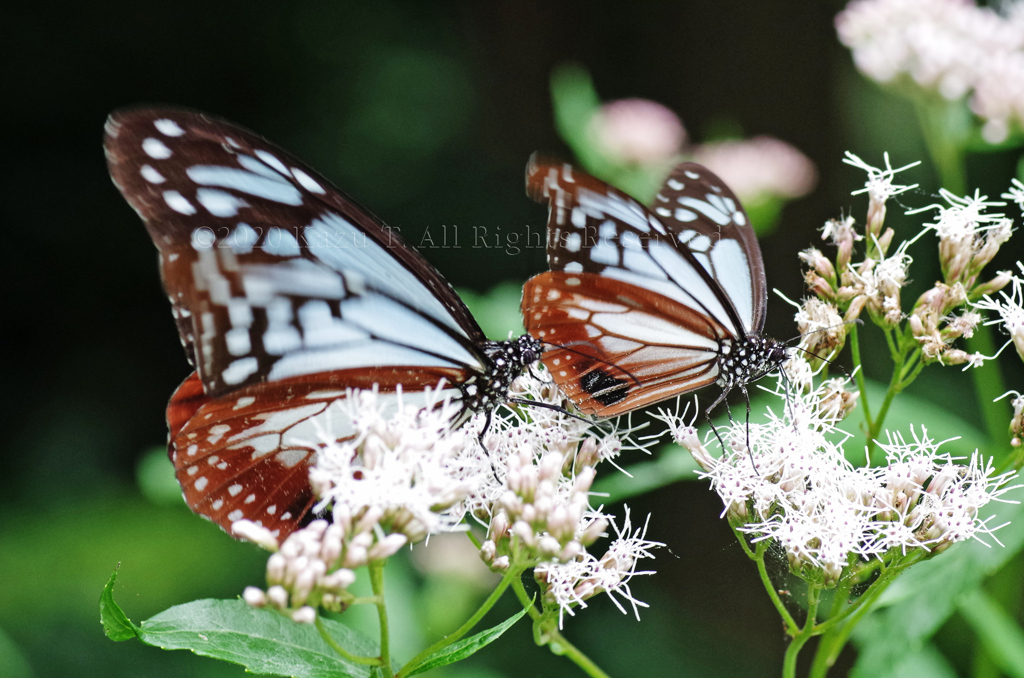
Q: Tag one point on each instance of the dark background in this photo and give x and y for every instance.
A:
(426, 113)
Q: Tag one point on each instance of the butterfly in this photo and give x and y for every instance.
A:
(647, 303)
(285, 293)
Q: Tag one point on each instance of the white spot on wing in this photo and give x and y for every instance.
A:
(155, 148)
(239, 370)
(273, 188)
(219, 203)
(150, 174)
(272, 160)
(307, 182)
(177, 202)
(281, 243)
(168, 127)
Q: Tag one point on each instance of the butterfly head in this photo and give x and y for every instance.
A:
(508, 359)
(749, 359)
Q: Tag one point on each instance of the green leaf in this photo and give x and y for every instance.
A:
(996, 630)
(262, 641)
(910, 663)
(460, 650)
(13, 663)
(116, 624)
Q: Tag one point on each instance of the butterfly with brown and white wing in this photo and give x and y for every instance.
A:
(285, 293)
(646, 303)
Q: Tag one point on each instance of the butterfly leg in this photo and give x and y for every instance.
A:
(483, 431)
(750, 452)
(707, 413)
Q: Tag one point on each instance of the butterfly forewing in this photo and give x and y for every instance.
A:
(704, 214)
(286, 293)
(270, 269)
(641, 303)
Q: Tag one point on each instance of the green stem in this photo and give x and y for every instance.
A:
(558, 643)
(837, 630)
(989, 385)
(355, 659)
(376, 569)
(859, 375)
(787, 618)
(506, 580)
(793, 651)
(890, 393)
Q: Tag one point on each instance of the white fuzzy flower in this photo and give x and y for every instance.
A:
(1016, 191)
(405, 465)
(1010, 308)
(801, 491)
(571, 583)
(880, 186)
(968, 236)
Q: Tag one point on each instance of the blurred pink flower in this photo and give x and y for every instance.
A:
(637, 131)
(759, 168)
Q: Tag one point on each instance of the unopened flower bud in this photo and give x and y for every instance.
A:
(278, 597)
(992, 286)
(254, 597)
(304, 615)
(387, 547)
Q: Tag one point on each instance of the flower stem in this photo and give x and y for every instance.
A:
(859, 375)
(758, 557)
(988, 383)
(376, 569)
(510, 574)
(942, 130)
(837, 630)
(355, 659)
(557, 643)
(805, 634)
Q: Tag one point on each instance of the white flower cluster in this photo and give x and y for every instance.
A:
(541, 514)
(404, 473)
(801, 492)
(968, 236)
(569, 584)
(951, 46)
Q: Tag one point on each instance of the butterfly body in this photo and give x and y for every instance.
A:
(646, 303)
(286, 293)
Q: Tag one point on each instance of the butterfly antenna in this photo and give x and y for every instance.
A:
(791, 342)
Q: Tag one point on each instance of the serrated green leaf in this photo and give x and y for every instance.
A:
(262, 641)
(116, 624)
(997, 631)
(460, 650)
